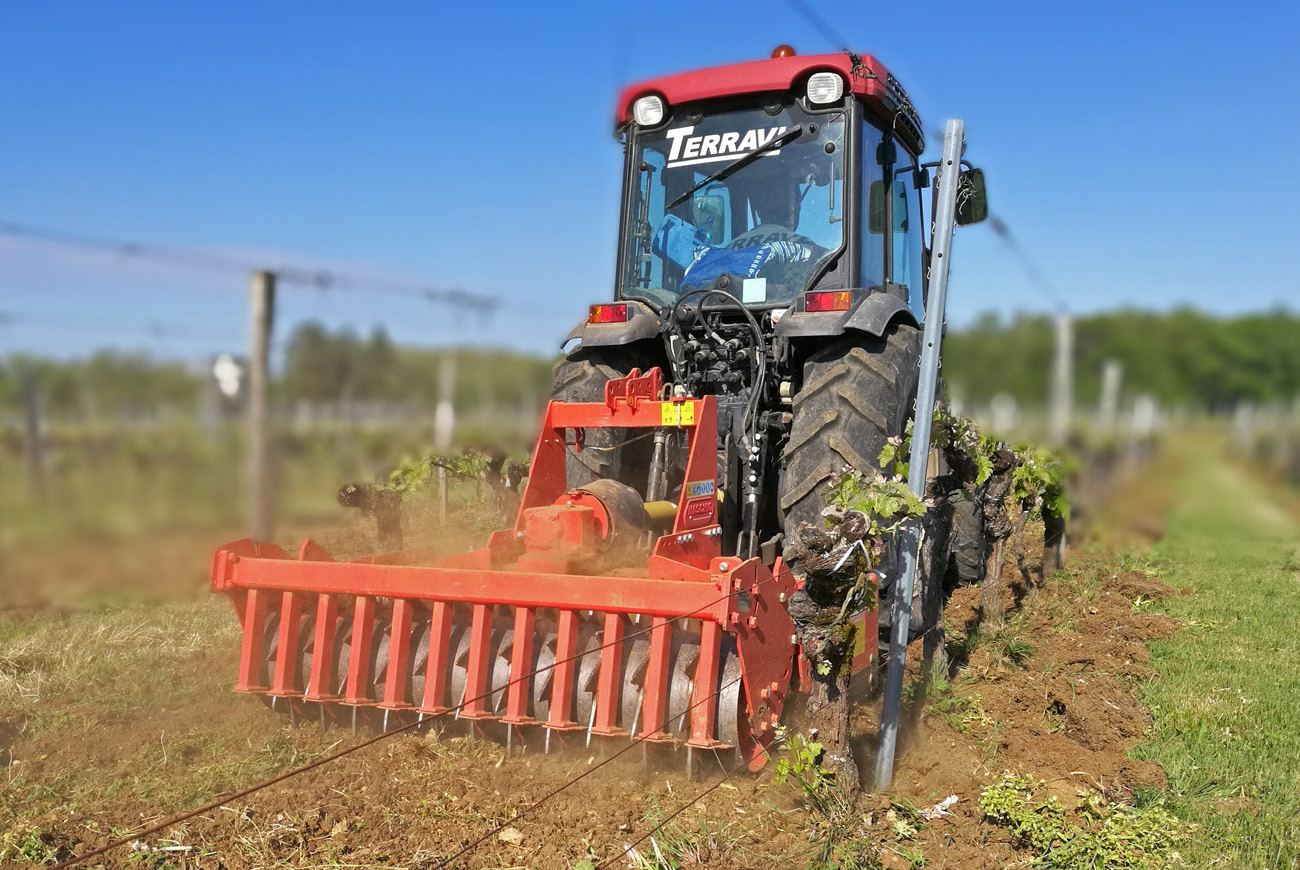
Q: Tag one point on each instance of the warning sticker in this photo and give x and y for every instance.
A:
(677, 414)
(701, 488)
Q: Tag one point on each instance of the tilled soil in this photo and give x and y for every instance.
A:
(1051, 696)
(1068, 704)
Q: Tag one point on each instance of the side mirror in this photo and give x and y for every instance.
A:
(972, 199)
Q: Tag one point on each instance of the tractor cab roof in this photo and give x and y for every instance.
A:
(866, 77)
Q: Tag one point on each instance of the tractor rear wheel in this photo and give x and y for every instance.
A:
(608, 453)
(857, 393)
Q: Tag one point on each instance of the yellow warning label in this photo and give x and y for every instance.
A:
(677, 414)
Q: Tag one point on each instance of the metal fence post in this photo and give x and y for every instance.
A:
(909, 537)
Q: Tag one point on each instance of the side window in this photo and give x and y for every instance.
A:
(907, 233)
(897, 203)
(822, 195)
(916, 232)
(649, 271)
(873, 243)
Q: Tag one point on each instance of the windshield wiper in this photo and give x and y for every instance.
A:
(732, 168)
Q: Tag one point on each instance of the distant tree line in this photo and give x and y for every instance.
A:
(324, 366)
(319, 366)
(107, 383)
(1183, 357)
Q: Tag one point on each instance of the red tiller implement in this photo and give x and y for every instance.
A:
(581, 618)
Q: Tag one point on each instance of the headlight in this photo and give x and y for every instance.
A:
(648, 111)
(825, 87)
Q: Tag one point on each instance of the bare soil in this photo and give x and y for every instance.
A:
(1060, 707)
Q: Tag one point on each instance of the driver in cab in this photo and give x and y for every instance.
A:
(774, 203)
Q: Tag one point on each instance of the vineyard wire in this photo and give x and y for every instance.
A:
(633, 743)
(320, 279)
(683, 808)
(385, 735)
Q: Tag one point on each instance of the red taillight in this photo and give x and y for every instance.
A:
(608, 314)
(834, 300)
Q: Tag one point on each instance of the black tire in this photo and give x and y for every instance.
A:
(857, 393)
(607, 453)
(969, 549)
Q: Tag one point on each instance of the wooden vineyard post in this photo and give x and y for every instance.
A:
(260, 483)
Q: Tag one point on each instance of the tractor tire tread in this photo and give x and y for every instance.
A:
(857, 393)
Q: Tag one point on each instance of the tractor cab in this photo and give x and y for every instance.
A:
(770, 177)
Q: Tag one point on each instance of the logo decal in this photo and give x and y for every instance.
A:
(688, 150)
(699, 509)
(700, 488)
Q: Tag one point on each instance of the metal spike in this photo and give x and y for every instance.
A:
(591, 723)
(546, 748)
(690, 762)
(690, 693)
(636, 717)
(386, 721)
(354, 719)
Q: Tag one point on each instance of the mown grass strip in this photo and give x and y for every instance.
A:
(1227, 700)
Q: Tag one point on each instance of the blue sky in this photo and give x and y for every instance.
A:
(1140, 153)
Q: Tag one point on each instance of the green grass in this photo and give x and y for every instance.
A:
(1228, 695)
(1097, 834)
(84, 654)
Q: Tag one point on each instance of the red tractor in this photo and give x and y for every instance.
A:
(763, 336)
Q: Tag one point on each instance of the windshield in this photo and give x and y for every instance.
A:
(770, 222)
